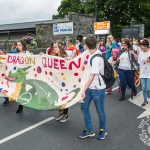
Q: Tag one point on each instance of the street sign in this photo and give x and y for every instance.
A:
(63, 28)
(102, 32)
(102, 25)
(141, 29)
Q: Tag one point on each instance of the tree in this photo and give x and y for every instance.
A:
(117, 12)
(68, 6)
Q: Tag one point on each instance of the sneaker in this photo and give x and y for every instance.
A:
(86, 134)
(119, 90)
(64, 118)
(109, 90)
(101, 135)
(128, 87)
(144, 104)
(6, 102)
(60, 115)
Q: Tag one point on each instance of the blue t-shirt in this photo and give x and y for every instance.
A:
(13, 51)
(108, 50)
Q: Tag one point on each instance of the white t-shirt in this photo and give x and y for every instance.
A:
(137, 48)
(144, 65)
(124, 61)
(96, 68)
(110, 60)
(27, 52)
(77, 45)
(70, 54)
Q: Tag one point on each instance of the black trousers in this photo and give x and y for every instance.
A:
(65, 111)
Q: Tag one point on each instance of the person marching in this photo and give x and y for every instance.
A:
(113, 60)
(22, 49)
(144, 62)
(71, 50)
(60, 52)
(94, 91)
(109, 46)
(14, 48)
(126, 74)
(50, 50)
(6, 101)
(102, 46)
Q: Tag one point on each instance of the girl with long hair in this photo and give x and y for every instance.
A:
(14, 48)
(22, 48)
(126, 70)
(60, 52)
(102, 47)
(109, 46)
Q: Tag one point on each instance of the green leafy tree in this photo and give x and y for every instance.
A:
(119, 13)
(68, 6)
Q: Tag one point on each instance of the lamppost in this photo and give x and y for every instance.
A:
(131, 60)
(8, 35)
(96, 10)
(132, 21)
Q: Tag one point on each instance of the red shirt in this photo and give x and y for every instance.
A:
(50, 50)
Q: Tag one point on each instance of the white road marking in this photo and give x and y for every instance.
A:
(138, 100)
(114, 89)
(25, 130)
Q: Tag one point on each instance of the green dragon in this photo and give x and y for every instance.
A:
(35, 93)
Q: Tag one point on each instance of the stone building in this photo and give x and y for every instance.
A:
(43, 30)
(82, 26)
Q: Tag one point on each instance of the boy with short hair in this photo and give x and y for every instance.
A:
(94, 90)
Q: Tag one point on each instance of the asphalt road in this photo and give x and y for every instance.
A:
(122, 128)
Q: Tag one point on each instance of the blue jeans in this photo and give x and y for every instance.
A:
(98, 96)
(145, 87)
(126, 79)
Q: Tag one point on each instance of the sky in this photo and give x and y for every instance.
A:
(17, 11)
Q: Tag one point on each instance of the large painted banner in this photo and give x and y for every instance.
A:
(43, 82)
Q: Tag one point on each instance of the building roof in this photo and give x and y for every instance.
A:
(28, 25)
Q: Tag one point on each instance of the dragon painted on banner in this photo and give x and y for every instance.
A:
(36, 88)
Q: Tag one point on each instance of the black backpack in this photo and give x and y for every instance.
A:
(108, 76)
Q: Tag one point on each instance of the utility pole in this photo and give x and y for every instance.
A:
(96, 13)
(132, 83)
(132, 31)
(8, 35)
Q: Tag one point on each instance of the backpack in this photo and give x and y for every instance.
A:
(108, 76)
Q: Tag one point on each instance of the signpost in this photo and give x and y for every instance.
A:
(63, 28)
(102, 27)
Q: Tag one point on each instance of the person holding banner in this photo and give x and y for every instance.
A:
(50, 50)
(22, 49)
(60, 52)
(94, 89)
(14, 48)
(6, 101)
